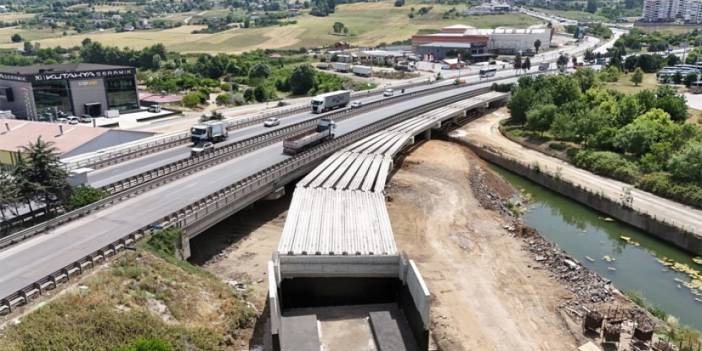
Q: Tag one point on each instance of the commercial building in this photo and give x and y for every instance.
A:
(41, 92)
(479, 43)
(69, 140)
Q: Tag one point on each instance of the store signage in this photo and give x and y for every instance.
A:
(84, 75)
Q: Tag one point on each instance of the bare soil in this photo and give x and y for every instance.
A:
(486, 295)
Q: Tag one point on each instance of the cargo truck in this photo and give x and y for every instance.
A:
(363, 71)
(329, 101)
(300, 142)
(342, 67)
(212, 131)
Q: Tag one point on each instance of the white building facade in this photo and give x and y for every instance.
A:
(689, 11)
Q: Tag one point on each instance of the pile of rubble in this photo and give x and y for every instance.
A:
(588, 286)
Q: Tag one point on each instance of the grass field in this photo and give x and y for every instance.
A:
(15, 16)
(27, 34)
(669, 29)
(369, 24)
(627, 87)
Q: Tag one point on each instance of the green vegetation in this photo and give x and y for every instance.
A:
(145, 300)
(672, 330)
(83, 196)
(643, 139)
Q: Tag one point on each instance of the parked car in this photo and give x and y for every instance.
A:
(388, 92)
(86, 119)
(355, 104)
(155, 108)
(62, 120)
(201, 148)
(271, 122)
(73, 120)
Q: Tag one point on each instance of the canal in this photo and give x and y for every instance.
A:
(630, 258)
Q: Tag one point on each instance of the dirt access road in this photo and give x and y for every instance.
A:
(485, 133)
(486, 296)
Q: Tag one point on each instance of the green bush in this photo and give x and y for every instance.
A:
(662, 184)
(191, 100)
(83, 196)
(608, 164)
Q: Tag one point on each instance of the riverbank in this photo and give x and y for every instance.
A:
(497, 285)
(666, 219)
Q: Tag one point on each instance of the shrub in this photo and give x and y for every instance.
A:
(83, 196)
(226, 87)
(225, 99)
(609, 164)
(662, 184)
(191, 100)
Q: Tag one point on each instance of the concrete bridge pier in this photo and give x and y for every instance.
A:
(276, 194)
(184, 245)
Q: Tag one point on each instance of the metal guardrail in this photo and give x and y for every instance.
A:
(150, 179)
(138, 149)
(219, 199)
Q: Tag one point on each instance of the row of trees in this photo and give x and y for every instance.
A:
(39, 179)
(641, 138)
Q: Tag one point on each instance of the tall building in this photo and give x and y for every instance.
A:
(692, 11)
(661, 10)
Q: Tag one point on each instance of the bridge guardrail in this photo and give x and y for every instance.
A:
(219, 198)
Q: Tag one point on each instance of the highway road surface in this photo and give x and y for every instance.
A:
(107, 175)
(24, 263)
(485, 131)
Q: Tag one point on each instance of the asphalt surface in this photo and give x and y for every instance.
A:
(24, 263)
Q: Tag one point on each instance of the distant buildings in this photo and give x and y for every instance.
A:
(689, 11)
(479, 43)
(487, 9)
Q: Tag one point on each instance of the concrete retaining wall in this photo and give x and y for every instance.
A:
(655, 227)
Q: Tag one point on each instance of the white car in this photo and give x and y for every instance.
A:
(388, 92)
(73, 120)
(355, 104)
(271, 122)
(200, 149)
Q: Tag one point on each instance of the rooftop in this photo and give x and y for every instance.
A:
(448, 45)
(63, 67)
(22, 132)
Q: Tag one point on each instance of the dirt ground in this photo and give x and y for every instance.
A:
(486, 296)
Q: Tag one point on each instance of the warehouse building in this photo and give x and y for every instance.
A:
(69, 140)
(41, 92)
(479, 43)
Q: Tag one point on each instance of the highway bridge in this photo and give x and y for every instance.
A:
(215, 187)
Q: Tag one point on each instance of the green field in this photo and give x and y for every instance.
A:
(669, 28)
(369, 24)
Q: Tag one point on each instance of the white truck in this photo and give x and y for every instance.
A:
(300, 142)
(329, 101)
(342, 66)
(364, 71)
(212, 131)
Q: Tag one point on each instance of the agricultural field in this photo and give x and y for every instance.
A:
(15, 16)
(107, 7)
(369, 24)
(31, 34)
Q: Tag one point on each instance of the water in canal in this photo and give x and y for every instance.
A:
(593, 239)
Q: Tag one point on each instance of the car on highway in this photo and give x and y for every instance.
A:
(388, 92)
(356, 104)
(271, 122)
(202, 148)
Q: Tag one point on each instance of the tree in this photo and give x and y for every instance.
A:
(260, 94)
(9, 195)
(540, 118)
(677, 77)
(637, 76)
(537, 45)
(686, 165)
(40, 175)
(520, 102)
(689, 79)
(248, 94)
(639, 136)
(259, 70)
(518, 62)
(338, 27)
(16, 38)
(302, 79)
(672, 60)
(591, 6)
(399, 3)
(191, 100)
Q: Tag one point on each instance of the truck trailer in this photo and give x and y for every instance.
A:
(329, 101)
(211, 131)
(364, 71)
(342, 67)
(300, 142)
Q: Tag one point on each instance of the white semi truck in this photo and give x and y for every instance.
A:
(364, 71)
(211, 131)
(300, 142)
(329, 101)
